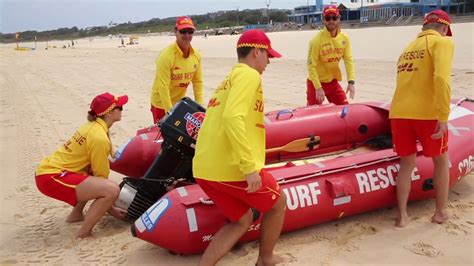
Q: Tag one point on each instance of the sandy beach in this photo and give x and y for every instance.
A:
(45, 96)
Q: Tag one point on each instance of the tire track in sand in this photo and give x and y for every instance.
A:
(42, 233)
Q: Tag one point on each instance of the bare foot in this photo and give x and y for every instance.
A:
(440, 217)
(75, 217)
(274, 260)
(402, 221)
(83, 235)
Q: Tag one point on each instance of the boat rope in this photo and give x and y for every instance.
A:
(206, 202)
(464, 100)
(353, 166)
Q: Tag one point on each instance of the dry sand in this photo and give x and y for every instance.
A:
(45, 96)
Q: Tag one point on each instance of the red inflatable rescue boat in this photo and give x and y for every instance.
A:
(185, 220)
(297, 133)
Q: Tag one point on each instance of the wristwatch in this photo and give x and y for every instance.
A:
(351, 82)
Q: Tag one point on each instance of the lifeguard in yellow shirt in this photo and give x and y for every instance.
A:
(325, 51)
(177, 65)
(230, 153)
(78, 170)
(420, 110)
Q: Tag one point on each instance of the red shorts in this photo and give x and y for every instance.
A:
(332, 90)
(157, 113)
(60, 186)
(233, 201)
(405, 133)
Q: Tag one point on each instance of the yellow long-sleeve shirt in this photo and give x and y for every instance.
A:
(231, 142)
(324, 54)
(173, 75)
(85, 152)
(424, 79)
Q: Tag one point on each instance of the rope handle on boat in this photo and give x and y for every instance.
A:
(169, 180)
(464, 100)
(206, 201)
(282, 112)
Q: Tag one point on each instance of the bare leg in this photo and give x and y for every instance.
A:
(76, 213)
(407, 165)
(104, 191)
(225, 239)
(270, 230)
(441, 184)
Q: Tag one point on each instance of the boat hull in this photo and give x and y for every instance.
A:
(337, 127)
(184, 220)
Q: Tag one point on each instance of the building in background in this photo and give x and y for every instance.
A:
(390, 11)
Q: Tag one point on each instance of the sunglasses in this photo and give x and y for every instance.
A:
(119, 108)
(329, 18)
(188, 31)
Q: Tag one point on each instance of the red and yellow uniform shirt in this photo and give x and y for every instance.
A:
(173, 75)
(85, 152)
(324, 54)
(231, 141)
(423, 79)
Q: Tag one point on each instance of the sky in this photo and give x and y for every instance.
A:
(40, 15)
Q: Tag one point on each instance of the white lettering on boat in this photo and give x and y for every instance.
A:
(466, 166)
(207, 238)
(302, 196)
(381, 178)
(254, 227)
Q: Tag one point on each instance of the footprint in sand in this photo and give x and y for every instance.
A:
(289, 258)
(423, 249)
(355, 232)
(456, 229)
(461, 206)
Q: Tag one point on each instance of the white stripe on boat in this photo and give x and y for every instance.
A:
(342, 200)
(192, 222)
(318, 164)
(182, 191)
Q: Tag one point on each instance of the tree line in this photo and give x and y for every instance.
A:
(207, 21)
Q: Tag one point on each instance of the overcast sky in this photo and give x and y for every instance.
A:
(22, 15)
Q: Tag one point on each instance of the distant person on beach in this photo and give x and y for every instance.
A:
(177, 65)
(230, 154)
(325, 51)
(78, 170)
(420, 110)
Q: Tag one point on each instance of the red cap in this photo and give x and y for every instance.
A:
(330, 9)
(184, 22)
(258, 39)
(439, 16)
(106, 102)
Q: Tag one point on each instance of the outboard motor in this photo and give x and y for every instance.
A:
(173, 165)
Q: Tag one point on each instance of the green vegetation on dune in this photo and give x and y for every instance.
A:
(207, 21)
